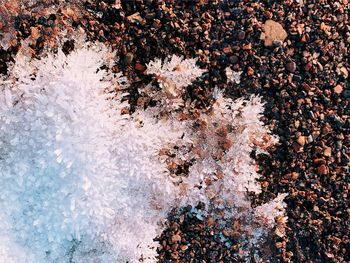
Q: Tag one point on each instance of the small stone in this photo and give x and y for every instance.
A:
(346, 94)
(227, 50)
(279, 244)
(42, 21)
(140, 67)
(297, 147)
(273, 32)
(301, 140)
(250, 71)
(310, 139)
(327, 151)
(184, 247)
(292, 176)
(338, 89)
(247, 47)
(323, 169)
(176, 238)
(135, 18)
(34, 33)
(129, 58)
(233, 59)
(291, 67)
(241, 35)
(344, 72)
(264, 184)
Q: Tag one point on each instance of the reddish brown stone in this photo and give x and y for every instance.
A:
(323, 169)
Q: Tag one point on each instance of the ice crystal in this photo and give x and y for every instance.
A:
(72, 169)
(233, 76)
(272, 210)
(175, 73)
(83, 183)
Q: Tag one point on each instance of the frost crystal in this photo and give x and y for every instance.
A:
(80, 182)
(272, 210)
(174, 73)
(233, 76)
(72, 169)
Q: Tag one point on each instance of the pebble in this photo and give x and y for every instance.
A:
(323, 169)
(327, 151)
(291, 67)
(176, 238)
(338, 89)
(273, 32)
(129, 57)
(140, 67)
(301, 140)
(241, 35)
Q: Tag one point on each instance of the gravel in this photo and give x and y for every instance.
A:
(302, 73)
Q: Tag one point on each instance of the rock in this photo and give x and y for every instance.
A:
(301, 140)
(247, 46)
(310, 139)
(344, 72)
(292, 176)
(184, 247)
(241, 35)
(176, 238)
(346, 94)
(140, 67)
(323, 169)
(273, 32)
(250, 71)
(227, 50)
(291, 67)
(338, 89)
(233, 59)
(135, 18)
(129, 58)
(327, 151)
(279, 244)
(117, 4)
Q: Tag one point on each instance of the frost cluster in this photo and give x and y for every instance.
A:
(72, 168)
(175, 73)
(233, 76)
(81, 182)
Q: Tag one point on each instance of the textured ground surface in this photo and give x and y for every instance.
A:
(303, 78)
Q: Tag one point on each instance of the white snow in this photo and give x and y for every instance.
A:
(233, 76)
(175, 73)
(82, 183)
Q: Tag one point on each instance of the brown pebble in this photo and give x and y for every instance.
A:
(129, 58)
(292, 176)
(327, 152)
(323, 169)
(301, 140)
(265, 184)
(184, 247)
(140, 67)
(291, 67)
(241, 35)
(338, 89)
(273, 32)
(247, 46)
(176, 238)
(227, 50)
(250, 71)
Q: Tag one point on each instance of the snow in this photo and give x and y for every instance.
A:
(83, 183)
(175, 73)
(233, 76)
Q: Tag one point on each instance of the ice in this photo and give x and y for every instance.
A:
(82, 182)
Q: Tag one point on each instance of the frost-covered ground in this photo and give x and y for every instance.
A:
(83, 182)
